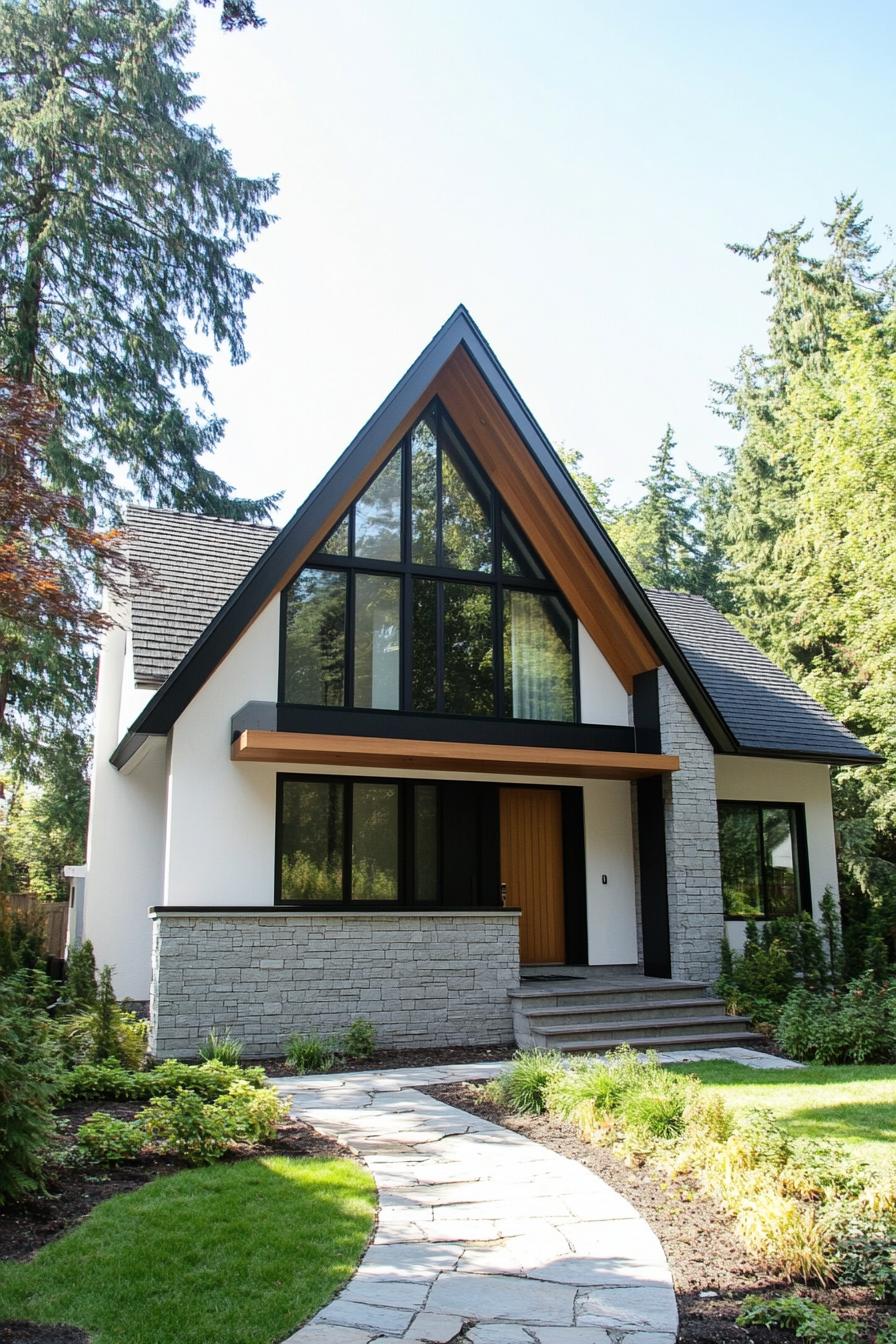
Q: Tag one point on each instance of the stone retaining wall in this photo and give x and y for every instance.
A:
(423, 979)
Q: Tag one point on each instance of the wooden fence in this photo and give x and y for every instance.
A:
(55, 916)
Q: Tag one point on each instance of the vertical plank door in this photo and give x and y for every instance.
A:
(532, 870)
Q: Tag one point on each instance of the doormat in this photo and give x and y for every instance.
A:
(530, 979)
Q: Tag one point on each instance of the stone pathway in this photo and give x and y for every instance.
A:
(480, 1231)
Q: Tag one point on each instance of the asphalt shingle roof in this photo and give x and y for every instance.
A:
(189, 565)
(764, 709)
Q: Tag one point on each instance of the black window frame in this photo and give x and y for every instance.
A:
(406, 846)
(407, 571)
(804, 893)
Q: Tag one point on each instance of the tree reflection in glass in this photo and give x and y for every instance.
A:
(374, 842)
(538, 665)
(311, 840)
(378, 515)
(315, 638)
(469, 654)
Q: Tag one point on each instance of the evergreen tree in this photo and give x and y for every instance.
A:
(660, 535)
(597, 493)
(120, 223)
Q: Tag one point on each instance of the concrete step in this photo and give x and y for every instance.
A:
(718, 1025)
(592, 993)
(688, 1041)
(602, 1014)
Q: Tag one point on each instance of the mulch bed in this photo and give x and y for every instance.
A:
(399, 1059)
(703, 1251)
(74, 1191)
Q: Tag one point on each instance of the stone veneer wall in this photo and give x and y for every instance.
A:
(696, 919)
(434, 978)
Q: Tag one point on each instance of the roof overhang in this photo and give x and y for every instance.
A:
(396, 753)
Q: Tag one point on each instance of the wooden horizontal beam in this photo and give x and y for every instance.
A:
(255, 744)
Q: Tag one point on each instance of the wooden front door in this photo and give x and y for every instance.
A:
(532, 870)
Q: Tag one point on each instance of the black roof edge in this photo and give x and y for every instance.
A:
(127, 748)
(845, 758)
(224, 629)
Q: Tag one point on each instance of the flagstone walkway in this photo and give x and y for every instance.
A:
(481, 1231)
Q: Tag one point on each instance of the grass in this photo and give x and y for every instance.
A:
(238, 1253)
(853, 1104)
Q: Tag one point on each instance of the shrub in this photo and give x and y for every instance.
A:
(785, 1231)
(655, 1111)
(758, 1142)
(80, 976)
(187, 1127)
(359, 1040)
(105, 1140)
(524, 1083)
(855, 1026)
(90, 1082)
(106, 1031)
(586, 1080)
(28, 1073)
(808, 1320)
(307, 1052)
(864, 1249)
(209, 1080)
(221, 1046)
(251, 1114)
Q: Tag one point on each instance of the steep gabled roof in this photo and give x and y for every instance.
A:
(460, 356)
(188, 567)
(768, 713)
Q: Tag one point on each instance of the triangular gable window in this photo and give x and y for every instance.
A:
(446, 607)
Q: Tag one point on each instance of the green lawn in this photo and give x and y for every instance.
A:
(853, 1104)
(238, 1253)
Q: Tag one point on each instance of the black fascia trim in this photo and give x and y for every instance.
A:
(128, 747)
(809, 757)
(266, 575)
(430, 727)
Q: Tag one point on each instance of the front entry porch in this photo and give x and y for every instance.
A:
(592, 1009)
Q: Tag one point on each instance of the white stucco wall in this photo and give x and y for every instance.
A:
(762, 779)
(220, 833)
(612, 918)
(125, 839)
(604, 699)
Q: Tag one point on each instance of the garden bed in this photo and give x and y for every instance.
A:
(74, 1190)
(418, 1058)
(703, 1251)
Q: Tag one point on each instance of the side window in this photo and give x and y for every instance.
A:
(761, 847)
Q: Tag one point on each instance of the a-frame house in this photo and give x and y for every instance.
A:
(430, 755)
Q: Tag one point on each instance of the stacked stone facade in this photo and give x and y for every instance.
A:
(428, 979)
(696, 918)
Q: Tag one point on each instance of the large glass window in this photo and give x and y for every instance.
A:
(311, 840)
(374, 842)
(377, 644)
(378, 515)
(760, 846)
(538, 662)
(448, 608)
(468, 677)
(345, 841)
(314, 656)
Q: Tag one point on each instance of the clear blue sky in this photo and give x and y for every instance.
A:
(570, 171)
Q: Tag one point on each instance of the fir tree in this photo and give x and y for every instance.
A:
(120, 223)
(660, 535)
